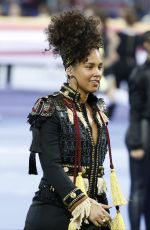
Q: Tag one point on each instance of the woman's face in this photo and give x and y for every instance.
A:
(88, 73)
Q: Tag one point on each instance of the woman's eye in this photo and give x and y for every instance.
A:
(88, 67)
(100, 67)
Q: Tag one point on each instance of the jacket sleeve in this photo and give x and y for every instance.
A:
(45, 121)
(136, 98)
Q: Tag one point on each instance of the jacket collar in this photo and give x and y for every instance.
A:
(73, 95)
(70, 93)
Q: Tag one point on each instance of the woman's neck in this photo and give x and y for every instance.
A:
(83, 95)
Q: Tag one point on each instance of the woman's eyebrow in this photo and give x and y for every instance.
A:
(92, 63)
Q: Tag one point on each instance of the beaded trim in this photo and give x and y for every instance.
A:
(85, 170)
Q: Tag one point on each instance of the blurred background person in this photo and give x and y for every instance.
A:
(138, 140)
(122, 54)
(111, 42)
(31, 7)
(10, 8)
(142, 7)
(126, 50)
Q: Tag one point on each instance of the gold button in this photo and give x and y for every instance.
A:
(66, 93)
(66, 169)
(73, 195)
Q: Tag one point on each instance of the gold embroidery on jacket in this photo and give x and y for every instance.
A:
(80, 116)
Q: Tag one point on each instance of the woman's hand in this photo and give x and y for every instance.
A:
(137, 154)
(98, 215)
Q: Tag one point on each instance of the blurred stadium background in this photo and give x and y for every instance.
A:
(27, 72)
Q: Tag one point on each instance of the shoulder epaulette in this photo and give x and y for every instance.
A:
(44, 106)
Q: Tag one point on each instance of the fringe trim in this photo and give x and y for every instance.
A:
(80, 213)
(101, 184)
(80, 116)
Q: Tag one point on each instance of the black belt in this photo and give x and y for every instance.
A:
(47, 194)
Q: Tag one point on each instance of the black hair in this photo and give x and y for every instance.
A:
(73, 35)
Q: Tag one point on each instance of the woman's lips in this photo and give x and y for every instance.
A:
(95, 82)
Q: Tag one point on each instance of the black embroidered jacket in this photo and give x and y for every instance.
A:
(52, 124)
(138, 135)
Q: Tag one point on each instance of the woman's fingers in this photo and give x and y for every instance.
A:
(100, 222)
(105, 206)
(96, 223)
(106, 216)
(106, 219)
(98, 215)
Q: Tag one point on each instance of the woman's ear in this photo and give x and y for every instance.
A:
(69, 70)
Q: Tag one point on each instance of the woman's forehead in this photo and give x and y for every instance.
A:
(94, 57)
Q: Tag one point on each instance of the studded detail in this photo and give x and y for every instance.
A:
(73, 195)
(66, 169)
(43, 107)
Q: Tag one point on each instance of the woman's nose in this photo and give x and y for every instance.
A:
(98, 72)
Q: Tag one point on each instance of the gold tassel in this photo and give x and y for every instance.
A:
(117, 196)
(80, 182)
(101, 185)
(118, 223)
(72, 226)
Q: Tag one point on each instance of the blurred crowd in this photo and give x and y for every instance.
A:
(121, 45)
(40, 7)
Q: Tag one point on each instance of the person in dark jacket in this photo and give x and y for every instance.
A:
(69, 133)
(126, 50)
(138, 140)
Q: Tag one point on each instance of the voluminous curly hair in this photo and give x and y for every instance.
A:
(72, 35)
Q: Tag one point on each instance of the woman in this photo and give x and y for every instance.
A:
(69, 135)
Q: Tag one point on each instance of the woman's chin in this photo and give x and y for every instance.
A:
(93, 89)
